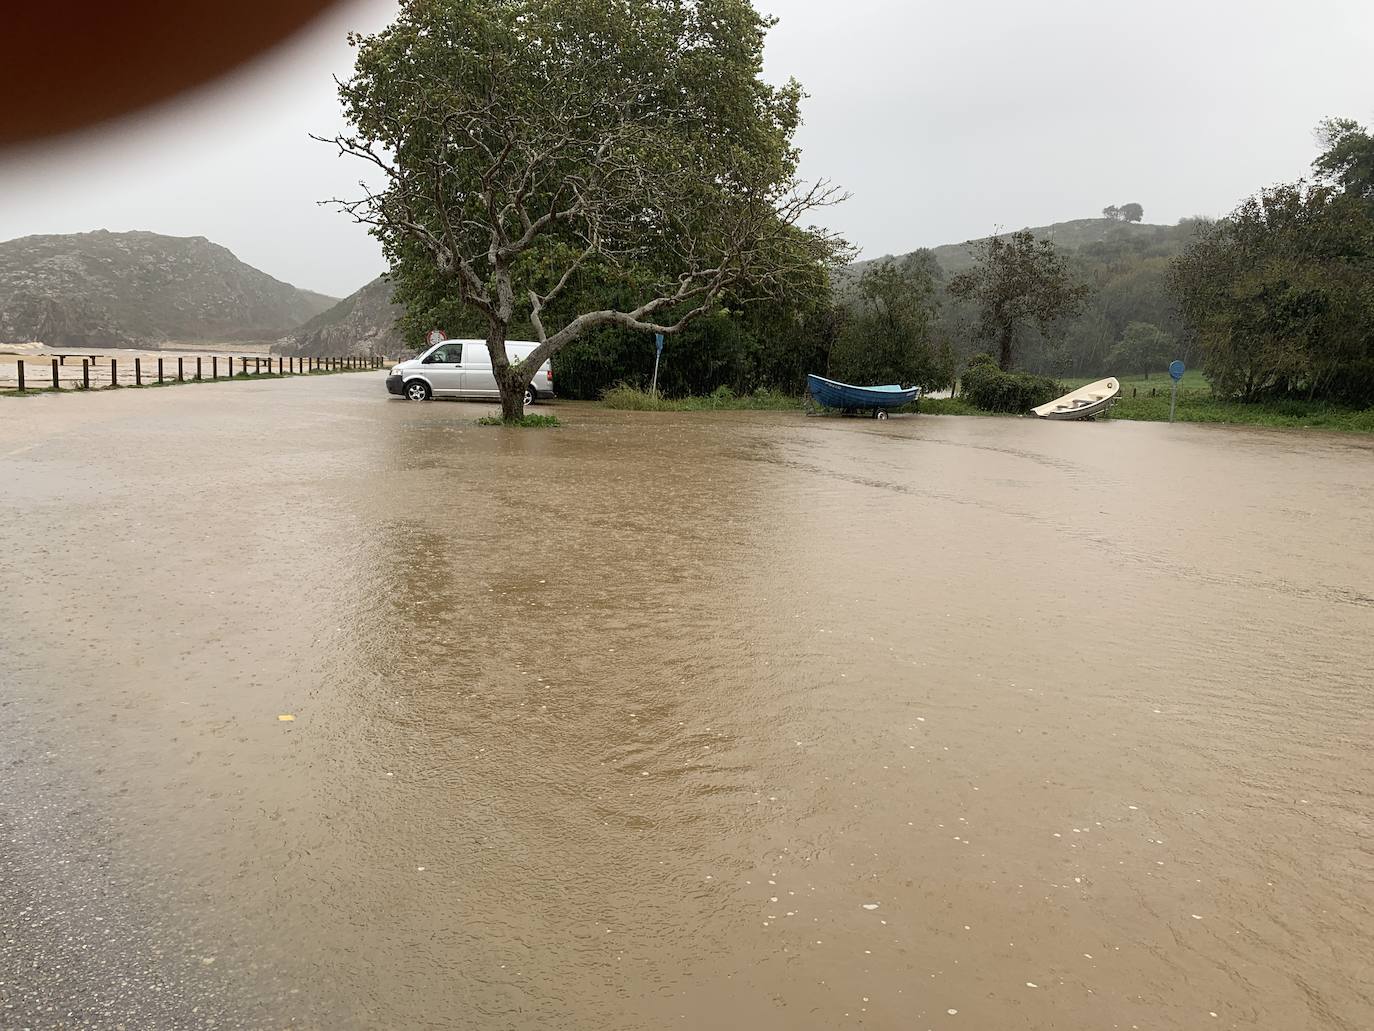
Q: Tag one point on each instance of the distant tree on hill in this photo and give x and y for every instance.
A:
(1132, 212)
(1348, 160)
(1017, 282)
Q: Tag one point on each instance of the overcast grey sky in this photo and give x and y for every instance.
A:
(945, 121)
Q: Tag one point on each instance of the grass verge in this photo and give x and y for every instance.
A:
(1205, 408)
(723, 399)
(948, 406)
(527, 421)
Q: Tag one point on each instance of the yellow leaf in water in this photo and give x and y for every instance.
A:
(286, 717)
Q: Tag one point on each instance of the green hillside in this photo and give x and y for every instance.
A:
(1095, 239)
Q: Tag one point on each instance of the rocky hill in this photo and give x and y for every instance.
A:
(140, 289)
(362, 323)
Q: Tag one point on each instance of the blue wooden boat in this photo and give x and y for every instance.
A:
(849, 398)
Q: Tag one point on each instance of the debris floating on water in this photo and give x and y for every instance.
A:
(286, 717)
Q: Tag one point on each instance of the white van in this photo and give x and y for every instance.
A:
(462, 368)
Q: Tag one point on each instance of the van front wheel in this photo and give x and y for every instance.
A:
(417, 390)
(530, 396)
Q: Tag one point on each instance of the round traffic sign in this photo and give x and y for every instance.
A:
(1176, 369)
(434, 337)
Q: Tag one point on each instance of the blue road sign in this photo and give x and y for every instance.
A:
(658, 343)
(1176, 369)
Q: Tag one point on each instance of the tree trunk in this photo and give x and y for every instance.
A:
(1004, 355)
(508, 383)
(512, 387)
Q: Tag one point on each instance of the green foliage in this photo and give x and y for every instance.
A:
(526, 421)
(761, 345)
(1278, 296)
(1348, 160)
(723, 398)
(1016, 283)
(987, 387)
(1143, 347)
(885, 333)
(579, 164)
(1125, 213)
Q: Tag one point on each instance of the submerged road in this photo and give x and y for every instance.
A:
(690, 720)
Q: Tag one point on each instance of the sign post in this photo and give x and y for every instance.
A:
(1176, 374)
(658, 353)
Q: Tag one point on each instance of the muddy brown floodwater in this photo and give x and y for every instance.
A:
(739, 720)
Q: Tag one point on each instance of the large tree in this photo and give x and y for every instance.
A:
(520, 149)
(1278, 296)
(885, 335)
(1348, 160)
(1017, 282)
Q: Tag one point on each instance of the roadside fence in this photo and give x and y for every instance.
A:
(100, 372)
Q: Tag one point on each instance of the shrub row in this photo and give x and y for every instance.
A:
(986, 386)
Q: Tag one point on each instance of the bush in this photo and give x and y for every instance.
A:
(987, 387)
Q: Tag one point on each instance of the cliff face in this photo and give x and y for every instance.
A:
(105, 289)
(362, 323)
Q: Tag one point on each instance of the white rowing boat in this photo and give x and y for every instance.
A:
(1083, 403)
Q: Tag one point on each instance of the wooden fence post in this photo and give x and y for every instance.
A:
(114, 373)
(231, 366)
(181, 370)
(21, 374)
(56, 383)
(197, 367)
(138, 372)
(85, 374)
(159, 370)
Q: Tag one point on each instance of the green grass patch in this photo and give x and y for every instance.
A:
(29, 391)
(1196, 403)
(948, 406)
(527, 421)
(1193, 379)
(1196, 406)
(722, 399)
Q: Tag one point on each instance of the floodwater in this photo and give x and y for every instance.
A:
(739, 720)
